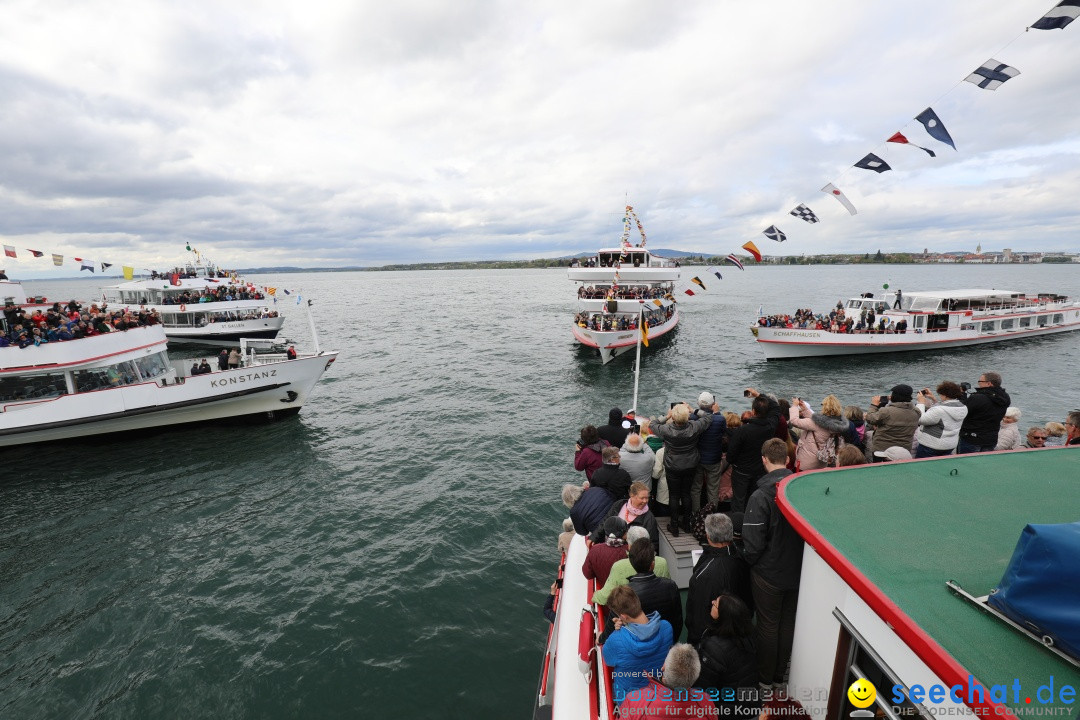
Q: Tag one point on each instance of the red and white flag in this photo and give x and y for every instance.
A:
(899, 138)
(836, 193)
(9, 250)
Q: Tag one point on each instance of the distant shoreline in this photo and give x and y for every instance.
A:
(684, 258)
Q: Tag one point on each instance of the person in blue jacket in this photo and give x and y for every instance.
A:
(637, 648)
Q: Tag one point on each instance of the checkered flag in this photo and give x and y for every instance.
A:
(804, 213)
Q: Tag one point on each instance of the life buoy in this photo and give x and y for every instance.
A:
(586, 643)
(183, 308)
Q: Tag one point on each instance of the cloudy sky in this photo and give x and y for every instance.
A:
(362, 133)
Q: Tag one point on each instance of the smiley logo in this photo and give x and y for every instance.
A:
(862, 693)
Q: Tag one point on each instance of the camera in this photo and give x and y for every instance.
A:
(965, 386)
(746, 393)
(882, 400)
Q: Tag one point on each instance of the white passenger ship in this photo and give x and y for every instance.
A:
(930, 320)
(615, 287)
(124, 381)
(189, 315)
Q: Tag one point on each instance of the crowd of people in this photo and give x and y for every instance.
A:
(608, 322)
(220, 293)
(623, 292)
(715, 473)
(71, 322)
(837, 320)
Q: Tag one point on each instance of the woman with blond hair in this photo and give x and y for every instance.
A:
(819, 443)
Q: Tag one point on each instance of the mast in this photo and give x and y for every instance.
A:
(637, 357)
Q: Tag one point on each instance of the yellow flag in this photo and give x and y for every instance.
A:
(271, 291)
(645, 332)
(129, 273)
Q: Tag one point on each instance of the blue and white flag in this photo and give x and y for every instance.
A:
(1059, 16)
(873, 162)
(991, 74)
(87, 265)
(299, 299)
(934, 127)
(773, 233)
(804, 213)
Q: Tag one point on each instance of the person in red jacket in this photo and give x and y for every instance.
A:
(587, 451)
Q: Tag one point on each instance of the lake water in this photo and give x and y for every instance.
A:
(388, 551)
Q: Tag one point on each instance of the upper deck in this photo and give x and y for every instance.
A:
(634, 264)
(897, 532)
(965, 301)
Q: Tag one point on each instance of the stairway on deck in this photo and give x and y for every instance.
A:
(680, 552)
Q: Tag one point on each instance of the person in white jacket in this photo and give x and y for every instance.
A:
(1009, 434)
(939, 422)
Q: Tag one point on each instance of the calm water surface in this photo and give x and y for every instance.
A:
(389, 550)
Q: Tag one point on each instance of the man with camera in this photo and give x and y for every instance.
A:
(894, 419)
(986, 406)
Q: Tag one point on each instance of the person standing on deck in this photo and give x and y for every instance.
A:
(744, 448)
(986, 407)
(774, 551)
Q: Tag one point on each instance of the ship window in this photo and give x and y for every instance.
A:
(987, 326)
(106, 377)
(32, 387)
(1058, 318)
(857, 659)
(1042, 320)
(1025, 322)
(152, 365)
(1008, 324)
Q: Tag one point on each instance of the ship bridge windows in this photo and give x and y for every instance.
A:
(32, 387)
(152, 366)
(103, 378)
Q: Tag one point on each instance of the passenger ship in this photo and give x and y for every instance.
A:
(188, 321)
(123, 381)
(934, 320)
(619, 286)
(896, 587)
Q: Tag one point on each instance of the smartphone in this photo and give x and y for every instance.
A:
(746, 393)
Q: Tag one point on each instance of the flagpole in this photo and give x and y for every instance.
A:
(637, 358)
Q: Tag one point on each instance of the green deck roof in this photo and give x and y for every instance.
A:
(910, 527)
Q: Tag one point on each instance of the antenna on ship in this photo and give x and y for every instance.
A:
(637, 357)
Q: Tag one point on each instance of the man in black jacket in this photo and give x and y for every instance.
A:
(721, 569)
(986, 406)
(774, 551)
(744, 449)
(655, 593)
(610, 475)
(616, 430)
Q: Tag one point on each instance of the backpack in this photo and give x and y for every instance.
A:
(829, 453)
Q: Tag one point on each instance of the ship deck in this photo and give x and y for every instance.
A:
(897, 532)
